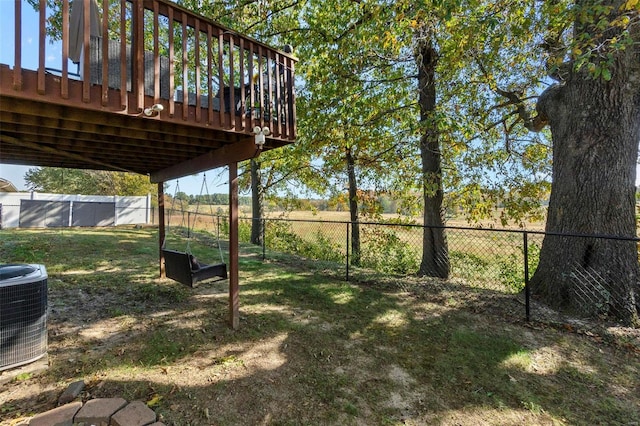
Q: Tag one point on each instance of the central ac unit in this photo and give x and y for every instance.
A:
(23, 314)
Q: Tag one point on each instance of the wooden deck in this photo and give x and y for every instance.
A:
(214, 85)
(159, 90)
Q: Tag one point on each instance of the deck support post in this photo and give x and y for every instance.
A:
(161, 230)
(234, 296)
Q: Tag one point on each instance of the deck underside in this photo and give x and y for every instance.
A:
(36, 131)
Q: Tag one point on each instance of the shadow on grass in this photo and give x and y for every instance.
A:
(312, 350)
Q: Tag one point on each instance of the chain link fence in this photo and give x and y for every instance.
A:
(495, 262)
(592, 277)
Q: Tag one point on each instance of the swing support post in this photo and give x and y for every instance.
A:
(161, 230)
(234, 296)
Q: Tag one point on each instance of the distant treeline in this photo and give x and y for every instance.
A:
(370, 204)
(211, 199)
(336, 203)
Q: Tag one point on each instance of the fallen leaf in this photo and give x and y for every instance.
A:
(154, 401)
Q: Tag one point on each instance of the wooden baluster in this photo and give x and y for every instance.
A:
(197, 58)
(292, 101)
(277, 104)
(185, 69)
(64, 81)
(261, 98)
(156, 55)
(138, 54)
(124, 70)
(86, 52)
(105, 53)
(41, 46)
(221, 75)
(17, 53)
(287, 93)
(210, 72)
(243, 106)
(252, 86)
(172, 72)
(232, 86)
(270, 100)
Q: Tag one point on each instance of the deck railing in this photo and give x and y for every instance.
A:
(144, 52)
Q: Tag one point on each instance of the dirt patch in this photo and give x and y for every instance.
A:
(293, 363)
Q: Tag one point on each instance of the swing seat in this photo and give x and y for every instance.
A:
(185, 269)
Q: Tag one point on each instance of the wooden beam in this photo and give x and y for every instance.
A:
(115, 125)
(227, 154)
(97, 141)
(43, 148)
(161, 230)
(234, 288)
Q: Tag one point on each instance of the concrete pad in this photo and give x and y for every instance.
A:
(60, 416)
(98, 412)
(33, 368)
(135, 414)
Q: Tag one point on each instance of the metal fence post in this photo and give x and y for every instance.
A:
(527, 291)
(348, 251)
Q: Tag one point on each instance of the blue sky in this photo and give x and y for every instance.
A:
(216, 179)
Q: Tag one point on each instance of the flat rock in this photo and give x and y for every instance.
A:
(98, 412)
(71, 392)
(60, 416)
(135, 414)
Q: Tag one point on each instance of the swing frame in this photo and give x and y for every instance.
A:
(182, 266)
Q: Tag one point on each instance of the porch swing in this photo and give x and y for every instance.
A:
(182, 266)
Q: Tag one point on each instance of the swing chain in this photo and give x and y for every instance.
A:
(173, 206)
(204, 188)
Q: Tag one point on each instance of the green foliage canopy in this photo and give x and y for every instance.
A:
(89, 182)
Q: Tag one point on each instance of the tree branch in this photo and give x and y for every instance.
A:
(534, 124)
(384, 113)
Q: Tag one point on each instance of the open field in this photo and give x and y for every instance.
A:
(312, 348)
(451, 221)
(344, 216)
(385, 247)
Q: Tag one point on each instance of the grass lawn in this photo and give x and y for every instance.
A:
(312, 348)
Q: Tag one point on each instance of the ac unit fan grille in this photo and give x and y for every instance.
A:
(23, 323)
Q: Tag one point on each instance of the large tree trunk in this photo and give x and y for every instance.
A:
(257, 203)
(353, 208)
(435, 253)
(595, 127)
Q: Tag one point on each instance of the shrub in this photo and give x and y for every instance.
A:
(512, 268)
(244, 231)
(468, 265)
(280, 237)
(384, 251)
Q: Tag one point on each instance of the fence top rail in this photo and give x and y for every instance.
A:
(465, 228)
(457, 228)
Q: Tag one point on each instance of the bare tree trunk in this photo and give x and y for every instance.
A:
(353, 208)
(257, 203)
(595, 125)
(435, 253)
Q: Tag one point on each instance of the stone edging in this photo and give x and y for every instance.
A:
(97, 412)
